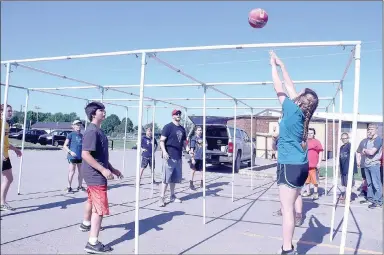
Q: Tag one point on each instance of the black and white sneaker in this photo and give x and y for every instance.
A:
(98, 248)
(290, 252)
(6, 207)
(85, 228)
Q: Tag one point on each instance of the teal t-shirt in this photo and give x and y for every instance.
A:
(289, 147)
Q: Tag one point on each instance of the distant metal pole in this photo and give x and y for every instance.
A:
(138, 153)
(252, 156)
(86, 117)
(234, 154)
(204, 153)
(153, 146)
(125, 137)
(23, 142)
(326, 152)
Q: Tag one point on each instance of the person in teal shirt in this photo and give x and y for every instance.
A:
(292, 163)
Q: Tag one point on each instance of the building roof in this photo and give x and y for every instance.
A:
(53, 125)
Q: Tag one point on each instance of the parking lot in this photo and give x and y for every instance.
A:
(47, 219)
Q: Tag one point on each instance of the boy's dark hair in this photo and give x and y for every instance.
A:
(314, 131)
(91, 108)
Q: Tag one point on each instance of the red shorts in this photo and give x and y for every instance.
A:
(97, 196)
(312, 176)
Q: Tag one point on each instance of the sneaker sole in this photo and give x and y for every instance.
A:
(96, 252)
(86, 230)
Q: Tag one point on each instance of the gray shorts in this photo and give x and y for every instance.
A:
(172, 171)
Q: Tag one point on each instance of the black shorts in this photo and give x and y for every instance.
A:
(147, 162)
(7, 164)
(75, 161)
(198, 166)
(294, 176)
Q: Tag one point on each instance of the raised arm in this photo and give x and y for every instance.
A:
(289, 86)
(277, 84)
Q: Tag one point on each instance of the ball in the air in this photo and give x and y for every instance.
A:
(258, 18)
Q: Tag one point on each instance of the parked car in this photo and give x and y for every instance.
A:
(15, 130)
(220, 142)
(55, 138)
(17, 135)
(33, 135)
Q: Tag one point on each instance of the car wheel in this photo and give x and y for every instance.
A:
(56, 143)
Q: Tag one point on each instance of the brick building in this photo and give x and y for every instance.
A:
(264, 122)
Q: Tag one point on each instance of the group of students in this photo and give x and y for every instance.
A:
(293, 166)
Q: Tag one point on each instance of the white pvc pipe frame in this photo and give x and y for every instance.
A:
(356, 44)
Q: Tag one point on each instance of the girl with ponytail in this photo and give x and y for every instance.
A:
(292, 167)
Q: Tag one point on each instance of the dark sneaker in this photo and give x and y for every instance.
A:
(373, 206)
(98, 248)
(161, 202)
(291, 252)
(191, 186)
(174, 199)
(81, 188)
(298, 220)
(85, 228)
(363, 201)
(6, 207)
(69, 190)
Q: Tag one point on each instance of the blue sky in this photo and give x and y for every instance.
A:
(41, 29)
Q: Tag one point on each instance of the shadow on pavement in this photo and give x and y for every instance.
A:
(146, 225)
(315, 233)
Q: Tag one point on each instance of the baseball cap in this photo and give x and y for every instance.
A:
(174, 112)
(76, 122)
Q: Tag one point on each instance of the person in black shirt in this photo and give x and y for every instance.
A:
(172, 141)
(345, 152)
(146, 156)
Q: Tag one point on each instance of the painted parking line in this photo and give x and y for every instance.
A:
(332, 246)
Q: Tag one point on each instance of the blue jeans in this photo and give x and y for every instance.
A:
(375, 189)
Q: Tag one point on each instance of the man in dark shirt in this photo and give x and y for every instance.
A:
(172, 141)
(360, 157)
(146, 156)
(345, 152)
(96, 171)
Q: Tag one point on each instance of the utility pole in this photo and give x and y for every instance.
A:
(37, 113)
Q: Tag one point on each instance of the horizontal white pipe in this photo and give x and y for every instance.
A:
(222, 84)
(191, 84)
(63, 88)
(198, 99)
(213, 47)
(13, 86)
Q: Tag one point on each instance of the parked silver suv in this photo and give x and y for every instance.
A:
(221, 143)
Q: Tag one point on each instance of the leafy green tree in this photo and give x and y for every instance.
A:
(110, 123)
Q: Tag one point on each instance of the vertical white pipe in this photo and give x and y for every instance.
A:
(138, 156)
(334, 174)
(125, 137)
(185, 118)
(326, 152)
(252, 159)
(204, 151)
(86, 117)
(234, 154)
(4, 120)
(339, 128)
(353, 149)
(153, 146)
(23, 142)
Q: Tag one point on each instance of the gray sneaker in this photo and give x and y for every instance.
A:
(174, 199)
(6, 207)
(161, 202)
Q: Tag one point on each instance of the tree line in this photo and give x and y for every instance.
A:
(112, 124)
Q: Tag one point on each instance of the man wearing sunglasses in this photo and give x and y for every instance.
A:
(172, 141)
